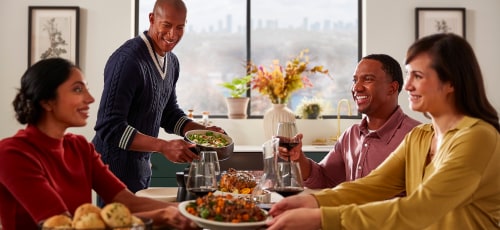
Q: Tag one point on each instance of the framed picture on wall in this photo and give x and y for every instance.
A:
(439, 20)
(53, 31)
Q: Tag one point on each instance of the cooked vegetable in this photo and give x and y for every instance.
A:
(208, 139)
(226, 208)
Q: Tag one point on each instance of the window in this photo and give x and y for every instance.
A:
(217, 44)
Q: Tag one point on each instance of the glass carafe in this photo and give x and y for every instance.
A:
(269, 180)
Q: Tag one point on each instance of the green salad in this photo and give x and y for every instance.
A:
(209, 139)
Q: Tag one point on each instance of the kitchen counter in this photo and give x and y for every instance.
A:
(305, 148)
(245, 157)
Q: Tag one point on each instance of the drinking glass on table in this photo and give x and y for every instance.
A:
(201, 178)
(211, 156)
(289, 178)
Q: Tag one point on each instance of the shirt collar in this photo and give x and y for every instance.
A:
(466, 122)
(41, 139)
(387, 131)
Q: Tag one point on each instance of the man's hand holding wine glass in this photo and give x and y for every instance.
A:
(294, 153)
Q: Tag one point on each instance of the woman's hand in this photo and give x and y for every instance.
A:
(292, 211)
(293, 202)
(162, 213)
(301, 218)
(169, 216)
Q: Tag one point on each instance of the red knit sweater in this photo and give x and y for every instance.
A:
(41, 176)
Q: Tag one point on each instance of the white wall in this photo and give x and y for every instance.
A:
(388, 28)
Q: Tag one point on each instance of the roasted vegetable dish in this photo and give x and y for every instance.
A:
(226, 208)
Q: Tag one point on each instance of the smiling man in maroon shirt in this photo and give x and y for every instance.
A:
(377, 82)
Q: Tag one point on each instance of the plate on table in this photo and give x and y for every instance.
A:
(165, 194)
(273, 197)
(218, 192)
(211, 224)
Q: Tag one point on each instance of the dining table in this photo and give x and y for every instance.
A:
(169, 194)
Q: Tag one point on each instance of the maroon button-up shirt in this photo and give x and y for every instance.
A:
(358, 151)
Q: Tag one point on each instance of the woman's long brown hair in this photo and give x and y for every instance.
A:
(454, 60)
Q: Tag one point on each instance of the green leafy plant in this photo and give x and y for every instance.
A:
(238, 86)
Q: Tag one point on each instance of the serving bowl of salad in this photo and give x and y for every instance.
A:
(207, 140)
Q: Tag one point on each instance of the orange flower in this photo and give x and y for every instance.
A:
(279, 85)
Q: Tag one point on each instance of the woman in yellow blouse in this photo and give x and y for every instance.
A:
(449, 168)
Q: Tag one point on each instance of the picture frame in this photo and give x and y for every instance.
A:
(439, 20)
(53, 31)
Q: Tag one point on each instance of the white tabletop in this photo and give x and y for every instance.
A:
(166, 194)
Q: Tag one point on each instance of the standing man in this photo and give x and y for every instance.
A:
(377, 82)
(139, 97)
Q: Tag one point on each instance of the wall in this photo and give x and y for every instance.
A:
(107, 24)
(390, 28)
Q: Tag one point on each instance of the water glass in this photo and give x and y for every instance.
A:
(211, 157)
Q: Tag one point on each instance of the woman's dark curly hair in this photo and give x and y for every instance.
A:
(39, 83)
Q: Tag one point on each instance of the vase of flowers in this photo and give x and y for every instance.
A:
(278, 83)
(274, 115)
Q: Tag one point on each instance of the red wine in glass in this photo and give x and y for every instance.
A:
(201, 192)
(286, 133)
(288, 191)
(288, 144)
(201, 178)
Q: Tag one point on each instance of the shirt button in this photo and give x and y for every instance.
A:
(359, 167)
(366, 145)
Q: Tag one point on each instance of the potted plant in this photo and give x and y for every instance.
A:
(237, 102)
(310, 108)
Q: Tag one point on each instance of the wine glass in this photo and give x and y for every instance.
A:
(286, 133)
(201, 178)
(289, 178)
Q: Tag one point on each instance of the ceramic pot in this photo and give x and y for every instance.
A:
(237, 107)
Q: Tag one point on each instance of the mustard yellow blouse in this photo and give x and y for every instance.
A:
(458, 189)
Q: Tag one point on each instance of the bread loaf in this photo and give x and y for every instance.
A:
(57, 222)
(116, 215)
(85, 209)
(90, 220)
(88, 216)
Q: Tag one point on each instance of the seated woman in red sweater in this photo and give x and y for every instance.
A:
(45, 171)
